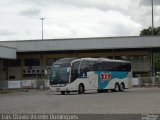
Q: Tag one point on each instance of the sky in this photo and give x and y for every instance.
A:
(20, 19)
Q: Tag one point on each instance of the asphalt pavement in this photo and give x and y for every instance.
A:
(131, 101)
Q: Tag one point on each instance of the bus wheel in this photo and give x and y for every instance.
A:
(68, 92)
(81, 89)
(122, 87)
(63, 92)
(116, 87)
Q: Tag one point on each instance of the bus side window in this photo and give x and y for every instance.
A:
(87, 66)
(74, 70)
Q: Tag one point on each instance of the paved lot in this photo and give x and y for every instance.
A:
(135, 100)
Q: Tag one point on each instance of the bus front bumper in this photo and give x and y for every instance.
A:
(59, 88)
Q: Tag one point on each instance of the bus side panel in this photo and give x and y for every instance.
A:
(111, 84)
(107, 79)
(90, 82)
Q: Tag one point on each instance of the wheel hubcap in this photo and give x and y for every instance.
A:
(116, 87)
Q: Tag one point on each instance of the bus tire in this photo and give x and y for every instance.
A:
(81, 89)
(68, 92)
(122, 87)
(116, 87)
(63, 92)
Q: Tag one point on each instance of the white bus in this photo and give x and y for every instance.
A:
(81, 74)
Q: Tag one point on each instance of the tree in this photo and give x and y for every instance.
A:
(148, 31)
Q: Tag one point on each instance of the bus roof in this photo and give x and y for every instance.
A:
(70, 60)
(65, 60)
(105, 59)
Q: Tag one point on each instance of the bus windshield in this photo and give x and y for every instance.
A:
(60, 72)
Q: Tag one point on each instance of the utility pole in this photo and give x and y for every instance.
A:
(152, 19)
(41, 55)
(42, 26)
(152, 56)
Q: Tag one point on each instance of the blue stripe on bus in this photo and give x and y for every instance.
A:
(105, 76)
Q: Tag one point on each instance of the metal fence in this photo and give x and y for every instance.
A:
(20, 84)
(148, 81)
